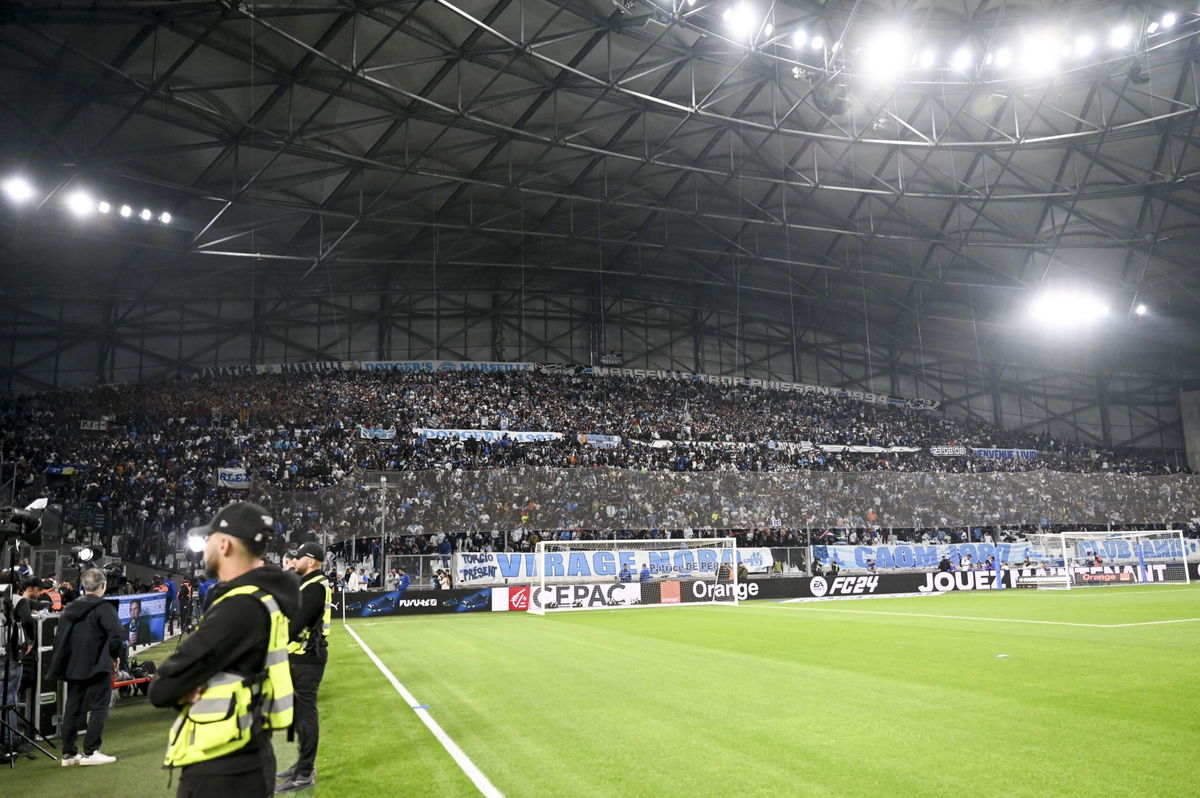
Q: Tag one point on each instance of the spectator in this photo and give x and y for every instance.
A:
(86, 649)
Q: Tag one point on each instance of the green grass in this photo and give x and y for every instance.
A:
(834, 698)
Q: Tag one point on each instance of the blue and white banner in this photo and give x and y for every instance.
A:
(599, 441)
(498, 568)
(514, 436)
(236, 478)
(1122, 550)
(1006, 454)
(928, 556)
(377, 433)
(442, 365)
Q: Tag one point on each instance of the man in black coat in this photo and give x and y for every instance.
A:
(86, 648)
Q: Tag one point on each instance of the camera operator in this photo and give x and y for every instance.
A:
(230, 679)
(86, 647)
(17, 647)
(307, 653)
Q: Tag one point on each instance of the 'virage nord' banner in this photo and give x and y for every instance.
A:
(486, 568)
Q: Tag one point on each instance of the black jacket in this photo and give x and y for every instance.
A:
(232, 636)
(88, 639)
(311, 616)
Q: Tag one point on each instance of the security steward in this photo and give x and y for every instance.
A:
(307, 654)
(230, 680)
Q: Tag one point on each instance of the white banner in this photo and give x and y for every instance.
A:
(236, 478)
(618, 594)
(498, 568)
(515, 436)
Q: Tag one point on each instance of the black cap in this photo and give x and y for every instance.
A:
(311, 549)
(245, 520)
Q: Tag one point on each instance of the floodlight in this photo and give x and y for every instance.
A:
(817, 43)
(886, 55)
(1120, 36)
(146, 215)
(1169, 19)
(1152, 28)
(1039, 55)
(1140, 310)
(927, 58)
(961, 60)
(195, 544)
(103, 206)
(799, 38)
(18, 189)
(87, 553)
(1003, 57)
(165, 218)
(126, 211)
(1067, 308)
(1084, 45)
(769, 29)
(80, 203)
(740, 19)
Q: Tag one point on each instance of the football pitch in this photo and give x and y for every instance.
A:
(1013, 693)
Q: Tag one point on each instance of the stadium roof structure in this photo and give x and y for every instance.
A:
(904, 188)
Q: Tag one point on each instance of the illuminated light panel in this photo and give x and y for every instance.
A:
(1003, 57)
(80, 203)
(18, 189)
(961, 60)
(1121, 36)
(103, 206)
(126, 211)
(799, 38)
(818, 43)
(885, 55)
(1067, 308)
(1084, 46)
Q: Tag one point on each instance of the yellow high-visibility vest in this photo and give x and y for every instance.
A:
(298, 645)
(222, 721)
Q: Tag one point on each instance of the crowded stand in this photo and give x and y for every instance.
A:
(564, 451)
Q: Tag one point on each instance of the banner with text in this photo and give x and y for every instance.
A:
(497, 568)
(492, 435)
(236, 478)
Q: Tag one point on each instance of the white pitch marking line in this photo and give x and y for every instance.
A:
(996, 620)
(473, 772)
(949, 617)
(1151, 623)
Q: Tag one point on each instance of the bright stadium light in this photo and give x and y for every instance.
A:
(1121, 36)
(126, 211)
(740, 19)
(146, 215)
(799, 39)
(1003, 57)
(1084, 46)
(886, 55)
(18, 189)
(1152, 28)
(195, 544)
(165, 218)
(927, 58)
(103, 206)
(80, 203)
(1169, 19)
(1140, 310)
(818, 43)
(1067, 308)
(961, 60)
(1039, 55)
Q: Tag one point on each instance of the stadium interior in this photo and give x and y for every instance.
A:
(553, 304)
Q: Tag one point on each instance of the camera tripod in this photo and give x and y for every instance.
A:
(10, 731)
